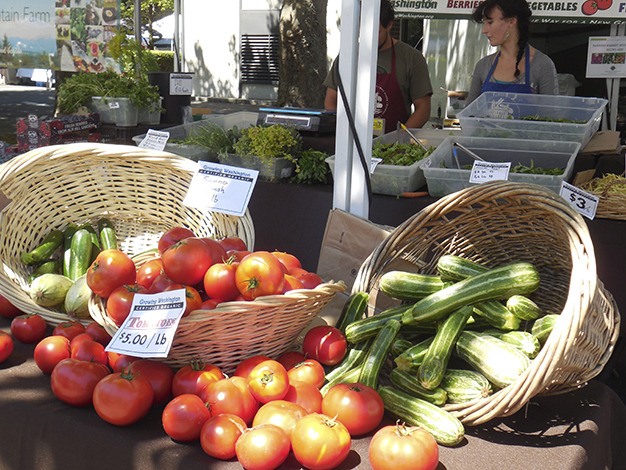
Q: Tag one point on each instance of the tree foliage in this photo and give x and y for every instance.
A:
(151, 11)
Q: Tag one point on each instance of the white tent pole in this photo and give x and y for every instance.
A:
(177, 36)
(613, 84)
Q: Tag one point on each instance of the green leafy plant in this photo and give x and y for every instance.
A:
(312, 168)
(269, 142)
(214, 138)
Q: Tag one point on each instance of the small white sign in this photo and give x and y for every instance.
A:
(484, 172)
(606, 57)
(583, 202)
(114, 105)
(149, 329)
(154, 140)
(374, 162)
(181, 84)
(221, 188)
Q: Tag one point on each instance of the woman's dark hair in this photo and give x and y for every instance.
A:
(510, 9)
(387, 13)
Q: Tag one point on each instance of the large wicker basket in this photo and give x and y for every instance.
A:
(612, 203)
(140, 191)
(501, 222)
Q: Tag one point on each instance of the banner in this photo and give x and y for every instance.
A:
(547, 11)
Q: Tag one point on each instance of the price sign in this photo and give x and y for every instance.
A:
(180, 84)
(154, 140)
(374, 163)
(114, 105)
(484, 172)
(221, 188)
(583, 202)
(149, 329)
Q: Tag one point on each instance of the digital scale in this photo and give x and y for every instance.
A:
(303, 119)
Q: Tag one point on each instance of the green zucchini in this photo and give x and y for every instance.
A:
(497, 315)
(408, 382)
(411, 358)
(80, 254)
(399, 346)
(522, 340)
(431, 370)
(354, 358)
(523, 308)
(446, 428)
(378, 352)
(409, 286)
(542, 327)
(497, 283)
(106, 233)
(457, 268)
(68, 233)
(500, 362)
(369, 327)
(350, 376)
(353, 310)
(463, 385)
(51, 266)
(44, 251)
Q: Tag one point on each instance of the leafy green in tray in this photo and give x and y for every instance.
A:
(401, 154)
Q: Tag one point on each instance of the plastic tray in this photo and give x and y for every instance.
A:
(273, 170)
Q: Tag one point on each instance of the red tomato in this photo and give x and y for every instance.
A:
(310, 280)
(160, 283)
(219, 435)
(219, 281)
(6, 346)
(89, 351)
(268, 381)
(282, 413)
(80, 338)
(233, 243)
(250, 404)
(184, 416)
(218, 253)
(122, 398)
(357, 406)
(73, 381)
(193, 378)
(69, 329)
(244, 367)
(262, 448)
(173, 236)
(310, 371)
(237, 255)
(119, 362)
(223, 396)
(50, 351)
(401, 447)
(187, 261)
(210, 304)
(120, 301)
(159, 374)
(291, 358)
(306, 395)
(260, 273)
(98, 333)
(7, 309)
(28, 328)
(320, 442)
(326, 344)
(292, 283)
(287, 259)
(110, 270)
(148, 271)
(193, 300)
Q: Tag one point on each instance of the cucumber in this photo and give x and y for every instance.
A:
(51, 266)
(463, 385)
(497, 315)
(457, 268)
(500, 362)
(68, 233)
(408, 382)
(542, 327)
(409, 286)
(378, 352)
(353, 310)
(106, 233)
(80, 254)
(431, 370)
(497, 283)
(44, 251)
(522, 340)
(411, 358)
(369, 327)
(95, 240)
(523, 308)
(446, 428)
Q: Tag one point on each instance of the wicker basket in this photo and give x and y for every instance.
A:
(140, 191)
(611, 205)
(502, 222)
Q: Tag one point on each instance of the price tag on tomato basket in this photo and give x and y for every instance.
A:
(154, 140)
(583, 202)
(484, 172)
(149, 329)
(221, 188)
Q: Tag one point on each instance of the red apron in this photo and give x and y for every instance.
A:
(389, 100)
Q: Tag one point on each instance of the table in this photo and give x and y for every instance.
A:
(585, 429)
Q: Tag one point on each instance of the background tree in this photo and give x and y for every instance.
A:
(6, 51)
(151, 11)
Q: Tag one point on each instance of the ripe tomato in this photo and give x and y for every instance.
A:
(147, 272)
(290, 359)
(268, 381)
(120, 301)
(320, 442)
(210, 304)
(173, 236)
(187, 261)
(400, 447)
(80, 338)
(357, 406)
(219, 281)
(223, 396)
(6, 346)
(69, 329)
(89, 351)
(122, 398)
(218, 253)
(237, 255)
(219, 435)
(310, 371)
(306, 395)
(7, 309)
(193, 378)
(50, 351)
(98, 333)
(262, 447)
(193, 299)
(160, 283)
(310, 280)
(244, 367)
(260, 273)
(326, 344)
(184, 416)
(73, 381)
(250, 404)
(287, 259)
(282, 413)
(233, 243)
(292, 283)
(28, 328)
(160, 376)
(110, 270)
(119, 362)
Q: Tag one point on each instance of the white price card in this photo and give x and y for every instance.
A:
(484, 172)
(149, 329)
(374, 163)
(154, 140)
(583, 202)
(181, 84)
(114, 105)
(221, 188)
